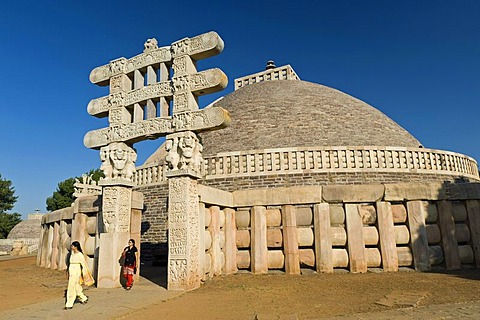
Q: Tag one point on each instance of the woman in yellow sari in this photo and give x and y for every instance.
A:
(78, 273)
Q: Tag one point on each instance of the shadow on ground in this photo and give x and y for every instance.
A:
(155, 274)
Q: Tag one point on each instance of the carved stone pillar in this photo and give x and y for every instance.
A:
(183, 236)
(118, 165)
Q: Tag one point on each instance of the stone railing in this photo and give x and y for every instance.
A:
(325, 160)
(280, 73)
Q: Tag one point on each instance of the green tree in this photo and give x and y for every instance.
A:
(63, 197)
(7, 195)
(7, 200)
(7, 222)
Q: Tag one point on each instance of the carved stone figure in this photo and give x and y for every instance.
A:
(106, 167)
(150, 44)
(172, 158)
(86, 187)
(118, 161)
(187, 145)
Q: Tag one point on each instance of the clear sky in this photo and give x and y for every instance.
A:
(416, 61)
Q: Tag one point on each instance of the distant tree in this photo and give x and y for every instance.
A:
(7, 222)
(7, 195)
(7, 200)
(63, 197)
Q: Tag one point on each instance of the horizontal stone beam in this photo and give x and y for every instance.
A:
(278, 196)
(57, 215)
(206, 119)
(199, 47)
(215, 196)
(415, 191)
(354, 193)
(208, 81)
(101, 75)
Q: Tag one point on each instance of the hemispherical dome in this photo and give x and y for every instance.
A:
(287, 113)
(26, 229)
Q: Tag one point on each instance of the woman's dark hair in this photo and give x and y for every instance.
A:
(76, 244)
(133, 241)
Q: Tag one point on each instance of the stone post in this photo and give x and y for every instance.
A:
(116, 211)
(184, 272)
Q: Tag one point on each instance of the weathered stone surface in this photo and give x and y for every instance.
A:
(205, 119)
(356, 244)
(316, 116)
(354, 193)
(278, 196)
(206, 45)
(337, 215)
(242, 218)
(215, 196)
(368, 214)
(88, 204)
(415, 191)
(418, 233)
(110, 251)
(137, 200)
(324, 257)
(399, 213)
(259, 251)
(463, 191)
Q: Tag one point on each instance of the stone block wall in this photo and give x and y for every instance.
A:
(154, 222)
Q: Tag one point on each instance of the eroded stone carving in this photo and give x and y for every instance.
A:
(86, 187)
(204, 119)
(116, 208)
(184, 154)
(118, 161)
(150, 44)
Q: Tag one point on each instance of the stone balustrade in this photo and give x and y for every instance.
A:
(325, 160)
(281, 73)
(341, 227)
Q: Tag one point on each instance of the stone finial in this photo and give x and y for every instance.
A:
(150, 44)
(270, 65)
(86, 187)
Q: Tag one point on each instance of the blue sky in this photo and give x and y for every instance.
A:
(416, 61)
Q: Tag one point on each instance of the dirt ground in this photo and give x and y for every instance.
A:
(243, 296)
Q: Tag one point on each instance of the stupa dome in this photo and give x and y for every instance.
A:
(26, 229)
(292, 113)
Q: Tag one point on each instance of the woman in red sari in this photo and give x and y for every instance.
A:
(130, 263)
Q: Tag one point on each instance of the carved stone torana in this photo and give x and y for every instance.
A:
(184, 155)
(118, 162)
(138, 108)
(131, 105)
(86, 187)
(116, 209)
(184, 247)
